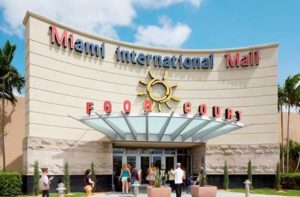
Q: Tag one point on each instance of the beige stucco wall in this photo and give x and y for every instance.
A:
(60, 81)
(14, 134)
(294, 126)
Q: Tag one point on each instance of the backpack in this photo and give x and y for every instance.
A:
(42, 185)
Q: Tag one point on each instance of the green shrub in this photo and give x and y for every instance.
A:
(10, 183)
(157, 182)
(277, 178)
(67, 178)
(290, 180)
(226, 177)
(36, 178)
(250, 173)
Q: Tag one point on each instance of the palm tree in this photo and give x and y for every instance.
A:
(10, 80)
(291, 89)
(281, 102)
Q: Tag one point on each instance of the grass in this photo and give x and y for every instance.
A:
(270, 192)
(73, 194)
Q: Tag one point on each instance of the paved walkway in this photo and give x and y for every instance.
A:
(220, 194)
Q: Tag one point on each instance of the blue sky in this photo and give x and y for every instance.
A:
(194, 24)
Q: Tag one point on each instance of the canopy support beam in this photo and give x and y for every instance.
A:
(207, 131)
(194, 130)
(113, 127)
(219, 132)
(181, 128)
(110, 135)
(164, 127)
(131, 128)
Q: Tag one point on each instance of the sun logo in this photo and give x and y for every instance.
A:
(164, 99)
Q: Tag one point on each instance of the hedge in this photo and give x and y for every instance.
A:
(10, 183)
(290, 180)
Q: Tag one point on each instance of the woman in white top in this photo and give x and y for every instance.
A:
(44, 183)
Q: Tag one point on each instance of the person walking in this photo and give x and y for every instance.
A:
(88, 183)
(179, 176)
(44, 182)
(134, 174)
(125, 176)
(171, 173)
(163, 175)
(151, 174)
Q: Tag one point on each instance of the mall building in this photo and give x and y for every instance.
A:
(92, 99)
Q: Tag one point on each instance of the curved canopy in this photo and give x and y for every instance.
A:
(159, 127)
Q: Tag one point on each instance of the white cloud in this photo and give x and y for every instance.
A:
(95, 16)
(165, 35)
(99, 17)
(165, 3)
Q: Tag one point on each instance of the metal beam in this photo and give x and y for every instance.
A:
(220, 132)
(177, 132)
(164, 127)
(113, 127)
(106, 133)
(131, 128)
(194, 130)
(207, 131)
(147, 125)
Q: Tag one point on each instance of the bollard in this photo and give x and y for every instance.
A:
(247, 188)
(136, 186)
(61, 190)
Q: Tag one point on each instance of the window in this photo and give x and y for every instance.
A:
(132, 151)
(118, 150)
(170, 151)
(131, 160)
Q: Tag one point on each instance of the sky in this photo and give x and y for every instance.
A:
(187, 24)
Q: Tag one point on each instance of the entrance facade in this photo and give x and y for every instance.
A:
(163, 158)
(82, 108)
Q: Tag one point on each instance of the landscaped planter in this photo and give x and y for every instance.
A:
(162, 191)
(205, 191)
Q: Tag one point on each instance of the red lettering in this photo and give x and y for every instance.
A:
(187, 107)
(216, 111)
(89, 107)
(107, 107)
(147, 105)
(251, 54)
(228, 113)
(55, 37)
(230, 63)
(245, 61)
(202, 110)
(127, 106)
(238, 115)
(257, 57)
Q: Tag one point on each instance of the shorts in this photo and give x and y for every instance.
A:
(123, 179)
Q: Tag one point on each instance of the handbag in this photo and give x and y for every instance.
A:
(42, 185)
(88, 188)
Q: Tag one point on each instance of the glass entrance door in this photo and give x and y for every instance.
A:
(170, 161)
(185, 161)
(157, 161)
(117, 165)
(145, 163)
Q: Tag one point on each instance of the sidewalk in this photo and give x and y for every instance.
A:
(220, 194)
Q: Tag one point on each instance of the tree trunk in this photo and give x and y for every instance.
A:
(2, 136)
(287, 141)
(282, 140)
